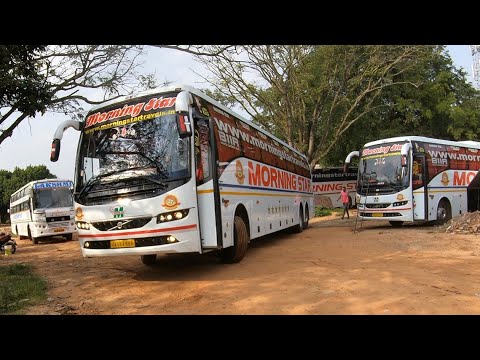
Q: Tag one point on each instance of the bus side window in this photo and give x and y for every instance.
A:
(202, 152)
(417, 176)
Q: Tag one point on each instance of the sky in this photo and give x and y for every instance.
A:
(31, 141)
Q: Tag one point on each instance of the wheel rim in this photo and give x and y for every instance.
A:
(441, 214)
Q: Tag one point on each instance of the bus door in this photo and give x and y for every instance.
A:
(207, 190)
(419, 187)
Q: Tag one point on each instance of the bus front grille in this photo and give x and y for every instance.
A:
(377, 206)
(58, 218)
(121, 224)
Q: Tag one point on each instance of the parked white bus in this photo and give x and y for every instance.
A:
(43, 208)
(327, 183)
(173, 171)
(417, 179)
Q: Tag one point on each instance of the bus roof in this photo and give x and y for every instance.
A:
(191, 89)
(467, 143)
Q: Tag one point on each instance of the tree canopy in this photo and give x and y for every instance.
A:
(328, 100)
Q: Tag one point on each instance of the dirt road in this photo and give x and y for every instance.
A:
(327, 269)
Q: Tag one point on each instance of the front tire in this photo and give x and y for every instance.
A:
(444, 212)
(20, 237)
(69, 237)
(235, 253)
(149, 259)
(396, 223)
(33, 239)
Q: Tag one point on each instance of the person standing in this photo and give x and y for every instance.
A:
(345, 201)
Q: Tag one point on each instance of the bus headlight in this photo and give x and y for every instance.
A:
(172, 215)
(83, 225)
(400, 203)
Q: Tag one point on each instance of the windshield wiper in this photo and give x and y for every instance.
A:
(96, 179)
(153, 179)
(55, 203)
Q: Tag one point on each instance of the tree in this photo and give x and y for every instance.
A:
(12, 181)
(21, 86)
(36, 79)
(444, 105)
(310, 95)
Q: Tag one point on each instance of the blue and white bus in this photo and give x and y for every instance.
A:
(43, 208)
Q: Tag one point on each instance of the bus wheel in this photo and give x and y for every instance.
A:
(235, 253)
(20, 237)
(299, 228)
(306, 218)
(33, 239)
(396, 223)
(149, 259)
(69, 236)
(444, 212)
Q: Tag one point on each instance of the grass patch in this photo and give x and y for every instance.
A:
(321, 211)
(20, 287)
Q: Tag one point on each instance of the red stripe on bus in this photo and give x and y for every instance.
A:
(193, 226)
(383, 210)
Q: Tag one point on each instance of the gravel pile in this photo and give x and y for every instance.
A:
(468, 223)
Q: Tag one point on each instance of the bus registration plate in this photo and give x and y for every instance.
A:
(58, 229)
(377, 215)
(115, 244)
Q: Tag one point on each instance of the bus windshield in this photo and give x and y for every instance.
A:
(381, 166)
(52, 197)
(149, 150)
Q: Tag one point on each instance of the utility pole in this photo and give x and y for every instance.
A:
(476, 63)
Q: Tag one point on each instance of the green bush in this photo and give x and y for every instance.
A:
(321, 211)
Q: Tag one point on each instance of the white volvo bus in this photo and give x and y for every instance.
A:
(173, 171)
(417, 179)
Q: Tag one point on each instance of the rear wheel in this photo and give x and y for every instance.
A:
(444, 212)
(306, 218)
(149, 259)
(299, 228)
(235, 253)
(396, 223)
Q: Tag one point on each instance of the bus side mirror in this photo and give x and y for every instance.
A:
(183, 125)
(77, 125)
(349, 158)
(55, 152)
(404, 153)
